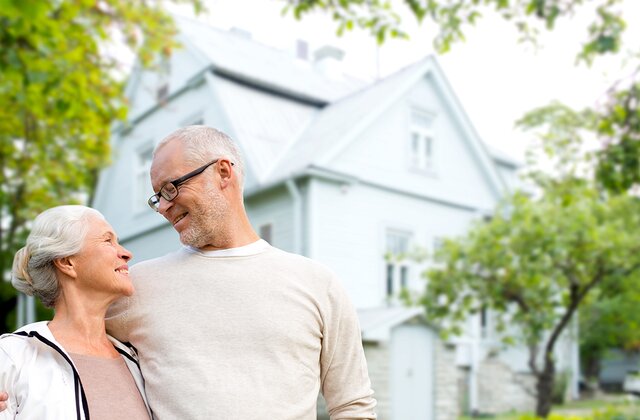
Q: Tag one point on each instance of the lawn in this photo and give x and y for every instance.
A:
(624, 407)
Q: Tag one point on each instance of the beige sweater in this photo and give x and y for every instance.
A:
(244, 337)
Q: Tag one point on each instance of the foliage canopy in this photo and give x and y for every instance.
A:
(60, 94)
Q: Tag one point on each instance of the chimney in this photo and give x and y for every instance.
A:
(328, 59)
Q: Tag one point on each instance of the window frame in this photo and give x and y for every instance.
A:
(422, 141)
(141, 170)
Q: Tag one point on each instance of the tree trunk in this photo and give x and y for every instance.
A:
(544, 387)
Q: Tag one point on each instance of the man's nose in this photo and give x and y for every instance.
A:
(164, 205)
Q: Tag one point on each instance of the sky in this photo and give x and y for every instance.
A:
(496, 79)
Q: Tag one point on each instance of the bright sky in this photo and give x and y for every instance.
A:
(496, 79)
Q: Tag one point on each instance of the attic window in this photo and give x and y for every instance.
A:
(162, 93)
(142, 188)
(422, 142)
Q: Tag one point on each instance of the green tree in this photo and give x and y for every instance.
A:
(452, 18)
(546, 255)
(60, 94)
(533, 265)
(609, 320)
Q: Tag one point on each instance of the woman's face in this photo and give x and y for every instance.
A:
(101, 265)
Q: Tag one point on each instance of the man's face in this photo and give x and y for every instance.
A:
(197, 213)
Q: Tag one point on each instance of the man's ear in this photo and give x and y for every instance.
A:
(225, 170)
(66, 266)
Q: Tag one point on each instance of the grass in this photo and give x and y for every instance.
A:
(580, 408)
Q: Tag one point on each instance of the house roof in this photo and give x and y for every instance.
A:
(290, 118)
(244, 59)
(338, 124)
(376, 323)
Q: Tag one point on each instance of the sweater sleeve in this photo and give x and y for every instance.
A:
(343, 369)
(116, 319)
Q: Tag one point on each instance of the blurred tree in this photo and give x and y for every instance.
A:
(609, 322)
(533, 265)
(60, 94)
(453, 17)
(544, 255)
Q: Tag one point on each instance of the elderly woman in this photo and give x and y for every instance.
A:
(69, 368)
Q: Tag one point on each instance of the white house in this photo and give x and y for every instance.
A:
(344, 172)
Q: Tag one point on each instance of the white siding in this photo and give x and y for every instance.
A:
(348, 227)
(183, 65)
(275, 207)
(153, 244)
(381, 153)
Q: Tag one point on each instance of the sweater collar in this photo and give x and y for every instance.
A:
(242, 251)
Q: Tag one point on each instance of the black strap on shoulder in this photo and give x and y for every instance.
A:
(76, 375)
(128, 356)
(131, 346)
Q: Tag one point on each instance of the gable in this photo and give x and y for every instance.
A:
(382, 153)
(142, 91)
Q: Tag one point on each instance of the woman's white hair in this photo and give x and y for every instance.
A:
(57, 233)
(202, 143)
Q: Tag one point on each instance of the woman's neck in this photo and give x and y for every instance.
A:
(80, 328)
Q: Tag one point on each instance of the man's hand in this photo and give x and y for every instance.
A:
(3, 400)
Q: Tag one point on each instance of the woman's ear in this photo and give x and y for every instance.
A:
(65, 266)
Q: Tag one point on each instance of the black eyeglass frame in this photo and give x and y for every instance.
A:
(154, 200)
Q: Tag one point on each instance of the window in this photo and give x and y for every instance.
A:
(397, 264)
(484, 322)
(162, 90)
(422, 147)
(438, 242)
(142, 189)
(162, 93)
(266, 232)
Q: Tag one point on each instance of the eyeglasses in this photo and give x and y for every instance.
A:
(169, 191)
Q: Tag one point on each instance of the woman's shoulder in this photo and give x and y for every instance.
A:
(15, 349)
(23, 342)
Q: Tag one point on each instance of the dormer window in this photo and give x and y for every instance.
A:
(162, 93)
(162, 90)
(142, 186)
(422, 146)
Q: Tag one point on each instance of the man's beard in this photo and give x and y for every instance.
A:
(207, 220)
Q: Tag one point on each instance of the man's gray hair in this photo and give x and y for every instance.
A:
(58, 232)
(204, 143)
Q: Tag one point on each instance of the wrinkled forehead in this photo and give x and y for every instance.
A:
(97, 227)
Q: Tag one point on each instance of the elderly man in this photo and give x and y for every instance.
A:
(228, 326)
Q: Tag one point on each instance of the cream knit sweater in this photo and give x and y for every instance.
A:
(244, 337)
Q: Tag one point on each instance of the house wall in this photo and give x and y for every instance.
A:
(381, 154)
(500, 389)
(447, 398)
(275, 207)
(143, 86)
(509, 175)
(153, 244)
(379, 365)
(348, 224)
